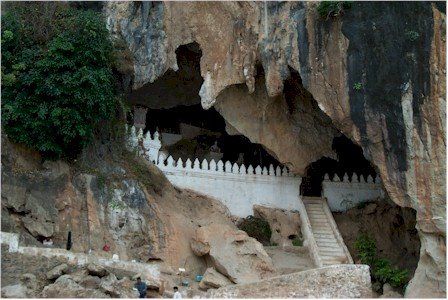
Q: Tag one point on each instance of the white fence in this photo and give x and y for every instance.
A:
(236, 186)
(347, 193)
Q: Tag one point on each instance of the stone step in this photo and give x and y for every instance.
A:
(327, 244)
(331, 251)
(322, 230)
(333, 260)
(329, 247)
(324, 235)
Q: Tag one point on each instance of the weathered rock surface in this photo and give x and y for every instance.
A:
(199, 248)
(137, 213)
(14, 291)
(392, 227)
(378, 76)
(96, 270)
(338, 281)
(213, 279)
(285, 225)
(233, 253)
(66, 287)
(57, 271)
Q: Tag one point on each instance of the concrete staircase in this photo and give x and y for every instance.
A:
(331, 247)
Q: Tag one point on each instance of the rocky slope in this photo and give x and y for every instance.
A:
(377, 72)
(134, 210)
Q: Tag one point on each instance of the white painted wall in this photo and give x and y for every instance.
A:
(238, 191)
(237, 187)
(345, 194)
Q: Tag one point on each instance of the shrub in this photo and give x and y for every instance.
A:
(327, 9)
(381, 269)
(412, 35)
(297, 242)
(357, 86)
(257, 228)
(57, 80)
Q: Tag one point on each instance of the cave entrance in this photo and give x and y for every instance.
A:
(350, 160)
(171, 105)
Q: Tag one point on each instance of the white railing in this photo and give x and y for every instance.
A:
(238, 187)
(345, 193)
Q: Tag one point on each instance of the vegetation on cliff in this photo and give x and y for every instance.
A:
(381, 269)
(57, 77)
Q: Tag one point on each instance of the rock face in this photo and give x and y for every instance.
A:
(233, 253)
(66, 287)
(338, 281)
(129, 206)
(14, 291)
(285, 225)
(213, 279)
(392, 227)
(57, 271)
(377, 76)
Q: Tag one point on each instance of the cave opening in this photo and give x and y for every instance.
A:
(350, 160)
(171, 105)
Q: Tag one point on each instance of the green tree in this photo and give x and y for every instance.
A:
(57, 82)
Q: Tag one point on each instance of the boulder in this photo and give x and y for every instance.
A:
(199, 248)
(14, 291)
(233, 253)
(30, 282)
(284, 224)
(97, 270)
(213, 279)
(57, 271)
(66, 287)
(90, 282)
(109, 285)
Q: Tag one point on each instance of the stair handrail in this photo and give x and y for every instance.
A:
(309, 236)
(335, 230)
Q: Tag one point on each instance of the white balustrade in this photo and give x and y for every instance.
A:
(349, 192)
(236, 186)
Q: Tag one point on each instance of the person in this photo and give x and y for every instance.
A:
(177, 294)
(69, 241)
(141, 288)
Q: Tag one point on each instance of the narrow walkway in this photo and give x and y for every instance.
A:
(148, 270)
(330, 244)
(289, 259)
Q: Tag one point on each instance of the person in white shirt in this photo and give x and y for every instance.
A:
(177, 294)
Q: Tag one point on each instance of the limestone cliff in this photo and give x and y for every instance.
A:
(125, 203)
(377, 72)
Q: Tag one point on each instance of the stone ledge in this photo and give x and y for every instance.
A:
(337, 281)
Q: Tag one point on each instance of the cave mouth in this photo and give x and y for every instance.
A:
(350, 161)
(192, 132)
(171, 105)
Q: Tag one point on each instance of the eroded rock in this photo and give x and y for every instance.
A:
(14, 291)
(213, 279)
(233, 253)
(57, 271)
(66, 287)
(285, 225)
(97, 270)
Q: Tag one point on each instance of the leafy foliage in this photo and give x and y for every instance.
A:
(297, 242)
(357, 86)
(327, 9)
(381, 269)
(412, 35)
(257, 228)
(57, 81)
